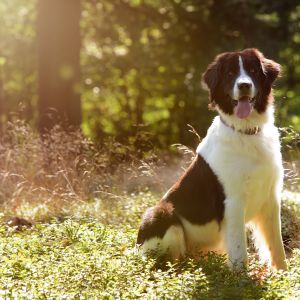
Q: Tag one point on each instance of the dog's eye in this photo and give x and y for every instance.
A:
(252, 71)
(230, 74)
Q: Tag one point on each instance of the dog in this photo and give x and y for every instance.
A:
(236, 177)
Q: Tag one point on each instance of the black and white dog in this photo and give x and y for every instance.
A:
(236, 177)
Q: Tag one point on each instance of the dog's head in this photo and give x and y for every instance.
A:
(240, 82)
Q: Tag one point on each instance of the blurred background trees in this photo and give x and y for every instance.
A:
(141, 61)
(58, 37)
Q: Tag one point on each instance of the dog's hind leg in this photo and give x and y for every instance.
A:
(171, 245)
(161, 232)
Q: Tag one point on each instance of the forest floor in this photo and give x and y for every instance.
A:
(86, 258)
(85, 202)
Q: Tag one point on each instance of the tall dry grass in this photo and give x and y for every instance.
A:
(50, 176)
(63, 173)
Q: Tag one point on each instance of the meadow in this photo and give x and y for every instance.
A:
(123, 80)
(83, 202)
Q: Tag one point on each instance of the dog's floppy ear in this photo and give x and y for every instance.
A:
(211, 75)
(211, 79)
(271, 69)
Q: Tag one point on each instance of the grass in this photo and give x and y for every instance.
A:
(83, 258)
(85, 207)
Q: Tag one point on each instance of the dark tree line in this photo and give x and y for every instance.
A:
(123, 66)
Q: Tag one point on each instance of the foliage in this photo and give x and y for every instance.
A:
(85, 201)
(63, 173)
(17, 59)
(142, 61)
(141, 66)
(101, 262)
(47, 176)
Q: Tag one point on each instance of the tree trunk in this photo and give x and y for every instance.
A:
(58, 36)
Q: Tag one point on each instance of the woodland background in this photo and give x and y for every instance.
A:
(122, 67)
(93, 96)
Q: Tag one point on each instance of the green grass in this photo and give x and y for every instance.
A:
(82, 258)
(79, 196)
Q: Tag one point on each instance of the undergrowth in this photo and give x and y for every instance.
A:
(84, 259)
(85, 201)
(49, 176)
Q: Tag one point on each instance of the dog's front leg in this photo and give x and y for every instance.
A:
(235, 233)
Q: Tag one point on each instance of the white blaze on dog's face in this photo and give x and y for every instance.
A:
(243, 92)
(243, 84)
(240, 82)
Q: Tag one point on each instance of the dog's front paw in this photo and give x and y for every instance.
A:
(280, 265)
(238, 264)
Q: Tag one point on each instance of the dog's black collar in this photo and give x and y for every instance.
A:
(249, 131)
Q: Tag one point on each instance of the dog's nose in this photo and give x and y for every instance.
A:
(244, 86)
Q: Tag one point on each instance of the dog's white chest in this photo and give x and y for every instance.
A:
(246, 166)
(252, 185)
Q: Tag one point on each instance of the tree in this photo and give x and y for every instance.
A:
(145, 59)
(58, 36)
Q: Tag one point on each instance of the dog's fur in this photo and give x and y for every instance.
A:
(236, 177)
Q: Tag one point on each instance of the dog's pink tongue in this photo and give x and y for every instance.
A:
(243, 108)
